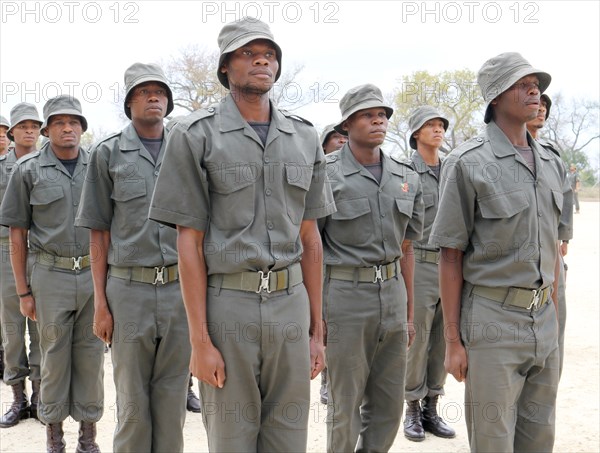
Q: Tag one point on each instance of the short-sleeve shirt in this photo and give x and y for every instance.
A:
(372, 218)
(43, 197)
(431, 197)
(504, 219)
(250, 199)
(116, 197)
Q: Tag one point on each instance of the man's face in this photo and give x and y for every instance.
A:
(64, 131)
(520, 102)
(431, 134)
(334, 141)
(148, 102)
(367, 127)
(3, 139)
(252, 68)
(26, 133)
(540, 120)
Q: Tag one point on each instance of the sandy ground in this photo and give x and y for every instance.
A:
(578, 400)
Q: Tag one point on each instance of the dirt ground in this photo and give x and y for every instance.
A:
(578, 400)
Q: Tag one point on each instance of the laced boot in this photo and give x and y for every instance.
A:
(87, 438)
(35, 398)
(413, 429)
(432, 422)
(193, 402)
(55, 442)
(19, 409)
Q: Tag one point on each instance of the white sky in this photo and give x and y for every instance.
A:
(84, 47)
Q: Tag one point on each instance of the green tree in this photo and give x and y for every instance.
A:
(455, 93)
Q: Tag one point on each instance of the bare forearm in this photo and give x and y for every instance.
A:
(193, 279)
(407, 265)
(451, 283)
(99, 245)
(312, 272)
(18, 258)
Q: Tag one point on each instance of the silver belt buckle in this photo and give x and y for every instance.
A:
(536, 299)
(76, 266)
(264, 282)
(159, 275)
(378, 274)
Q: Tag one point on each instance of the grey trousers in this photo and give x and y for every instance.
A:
(366, 363)
(72, 356)
(562, 314)
(18, 364)
(425, 372)
(512, 379)
(264, 341)
(151, 356)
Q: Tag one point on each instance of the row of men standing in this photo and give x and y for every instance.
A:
(252, 181)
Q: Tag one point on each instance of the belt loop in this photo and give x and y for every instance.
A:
(290, 287)
(398, 268)
(129, 275)
(355, 275)
(327, 273)
(218, 282)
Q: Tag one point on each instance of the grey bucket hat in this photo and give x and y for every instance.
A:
(420, 116)
(4, 122)
(326, 133)
(139, 73)
(239, 33)
(22, 112)
(499, 73)
(548, 101)
(362, 97)
(62, 105)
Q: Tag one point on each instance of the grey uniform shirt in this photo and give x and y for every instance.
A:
(431, 197)
(505, 220)
(250, 199)
(116, 197)
(372, 218)
(43, 197)
(7, 163)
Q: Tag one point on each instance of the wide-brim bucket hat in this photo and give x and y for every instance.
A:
(361, 97)
(420, 116)
(139, 73)
(23, 111)
(62, 105)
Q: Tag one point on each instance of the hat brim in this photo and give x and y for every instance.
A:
(412, 141)
(362, 106)
(84, 124)
(25, 118)
(146, 79)
(543, 77)
(242, 41)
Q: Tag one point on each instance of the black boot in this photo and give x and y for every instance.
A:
(19, 409)
(323, 391)
(193, 403)
(432, 422)
(35, 398)
(55, 442)
(87, 438)
(413, 429)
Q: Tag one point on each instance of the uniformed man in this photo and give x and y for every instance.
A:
(40, 204)
(425, 373)
(498, 226)
(4, 141)
(331, 140)
(368, 291)
(565, 231)
(24, 133)
(251, 183)
(137, 298)
(575, 185)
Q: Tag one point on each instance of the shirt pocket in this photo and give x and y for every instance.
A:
(130, 207)
(46, 202)
(558, 198)
(298, 178)
(504, 220)
(232, 196)
(353, 221)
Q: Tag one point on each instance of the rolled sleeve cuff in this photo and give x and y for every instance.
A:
(91, 224)
(318, 213)
(172, 219)
(15, 223)
(412, 236)
(447, 242)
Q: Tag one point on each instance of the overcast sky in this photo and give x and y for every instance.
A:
(84, 47)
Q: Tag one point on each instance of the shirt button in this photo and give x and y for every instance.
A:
(164, 250)
(383, 214)
(267, 160)
(156, 173)
(268, 192)
(161, 226)
(539, 213)
(270, 225)
(75, 203)
(380, 190)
